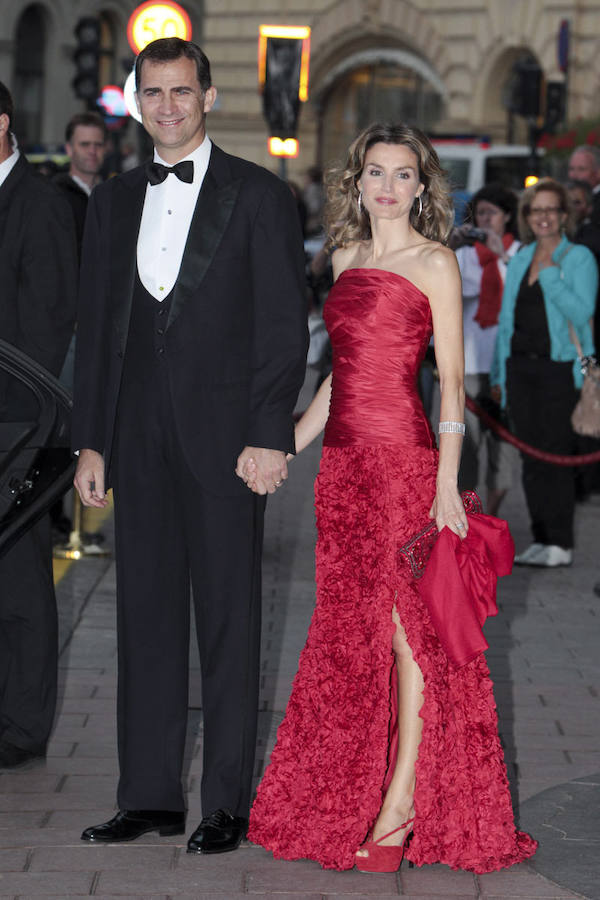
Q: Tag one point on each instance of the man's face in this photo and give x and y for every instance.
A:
(579, 203)
(582, 167)
(86, 150)
(173, 106)
(5, 144)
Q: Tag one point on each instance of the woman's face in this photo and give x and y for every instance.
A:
(545, 216)
(389, 181)
(491, 217)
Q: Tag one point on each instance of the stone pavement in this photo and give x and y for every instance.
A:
(544, 661)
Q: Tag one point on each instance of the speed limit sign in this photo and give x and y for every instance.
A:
(152, 20)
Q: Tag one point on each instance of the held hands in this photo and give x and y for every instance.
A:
(261, 469)
(89, 478)
(448, 510)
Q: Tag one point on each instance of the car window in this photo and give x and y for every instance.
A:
(457, 172)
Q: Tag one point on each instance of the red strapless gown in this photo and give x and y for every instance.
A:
(325, 783)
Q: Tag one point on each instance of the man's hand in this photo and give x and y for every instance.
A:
(89, 478)
(263, 470)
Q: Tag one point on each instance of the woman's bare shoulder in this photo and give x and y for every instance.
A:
(344, 258)
(438, 270)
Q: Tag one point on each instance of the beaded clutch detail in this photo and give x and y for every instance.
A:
(416, 551)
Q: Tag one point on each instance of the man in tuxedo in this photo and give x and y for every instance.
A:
(190, 354)
(38, 278)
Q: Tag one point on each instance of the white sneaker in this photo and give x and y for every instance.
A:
(552, 555)
(524, 558)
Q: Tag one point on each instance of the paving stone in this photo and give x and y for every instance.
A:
(12, 861)
(39, 884)
(20, 819)
(518, 882)
(86, 857)
(279, 875)
(29, 782)
(173, 882)
(438, 879)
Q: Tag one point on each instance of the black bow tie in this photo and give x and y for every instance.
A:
(157, 173)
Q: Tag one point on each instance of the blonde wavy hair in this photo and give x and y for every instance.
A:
(346, 223)
(562, 200)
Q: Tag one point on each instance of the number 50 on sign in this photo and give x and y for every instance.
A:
(151, 21)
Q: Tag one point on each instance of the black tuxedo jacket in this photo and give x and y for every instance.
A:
(38, 267)
(236, 335)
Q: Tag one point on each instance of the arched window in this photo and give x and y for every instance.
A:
(376, 86)
(28, 76)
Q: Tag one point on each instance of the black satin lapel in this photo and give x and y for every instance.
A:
(211, 217)
(126, 214)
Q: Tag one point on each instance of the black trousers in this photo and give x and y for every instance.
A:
(168, 530)
(28, 640)
(541, 398)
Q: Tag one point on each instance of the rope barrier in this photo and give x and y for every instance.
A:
(557, 459)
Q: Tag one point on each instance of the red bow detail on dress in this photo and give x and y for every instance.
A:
(490, 291)
(459, 584)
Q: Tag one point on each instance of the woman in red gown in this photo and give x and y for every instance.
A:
(383, 739)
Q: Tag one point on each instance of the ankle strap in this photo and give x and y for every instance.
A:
(399, 828)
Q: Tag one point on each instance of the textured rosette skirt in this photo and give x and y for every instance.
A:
(324, 786)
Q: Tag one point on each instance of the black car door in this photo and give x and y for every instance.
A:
(36, 463)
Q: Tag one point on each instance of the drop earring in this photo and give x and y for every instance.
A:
(360, 203)
(420, 206)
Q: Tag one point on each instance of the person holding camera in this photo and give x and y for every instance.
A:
(483, 250)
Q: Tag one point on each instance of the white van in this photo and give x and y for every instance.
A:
(471, 163)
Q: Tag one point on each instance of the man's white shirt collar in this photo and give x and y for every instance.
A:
(7, 165)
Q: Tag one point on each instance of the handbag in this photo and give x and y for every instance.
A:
(417, 550)
(585, 418)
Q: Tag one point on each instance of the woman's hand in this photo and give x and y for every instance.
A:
(448, 510)
(494, 242)
(496, 393)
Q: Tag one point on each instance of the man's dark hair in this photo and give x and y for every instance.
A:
(169, 49)
(6, 104)
(88, 119)
(583, 186)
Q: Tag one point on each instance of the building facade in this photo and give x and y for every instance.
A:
(442, 65)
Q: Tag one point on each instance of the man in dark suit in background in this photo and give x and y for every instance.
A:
(85, 143)
(38, 278)
(191, 351)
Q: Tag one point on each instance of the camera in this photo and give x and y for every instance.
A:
(470, 235)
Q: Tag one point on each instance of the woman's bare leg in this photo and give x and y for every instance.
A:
(398, 803)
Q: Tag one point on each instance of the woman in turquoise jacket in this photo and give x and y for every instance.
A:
(550, 285)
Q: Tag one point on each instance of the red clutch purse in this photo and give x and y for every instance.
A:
(416, 551)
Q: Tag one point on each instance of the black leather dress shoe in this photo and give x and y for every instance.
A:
(12, 757)
(218, 833)
(129, 824)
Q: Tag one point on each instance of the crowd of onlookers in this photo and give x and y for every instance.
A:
(529, 267)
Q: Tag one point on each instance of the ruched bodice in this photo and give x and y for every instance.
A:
(380, 325)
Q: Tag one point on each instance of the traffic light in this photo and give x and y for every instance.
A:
(283, 60)
(526, 90)
(86, 59)
(555, 105)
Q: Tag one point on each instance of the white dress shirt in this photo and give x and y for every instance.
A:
(9, 162)
(166, 218)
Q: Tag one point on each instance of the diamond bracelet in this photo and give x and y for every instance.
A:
(451, 427)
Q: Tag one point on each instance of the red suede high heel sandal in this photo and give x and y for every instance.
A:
(384, 859)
